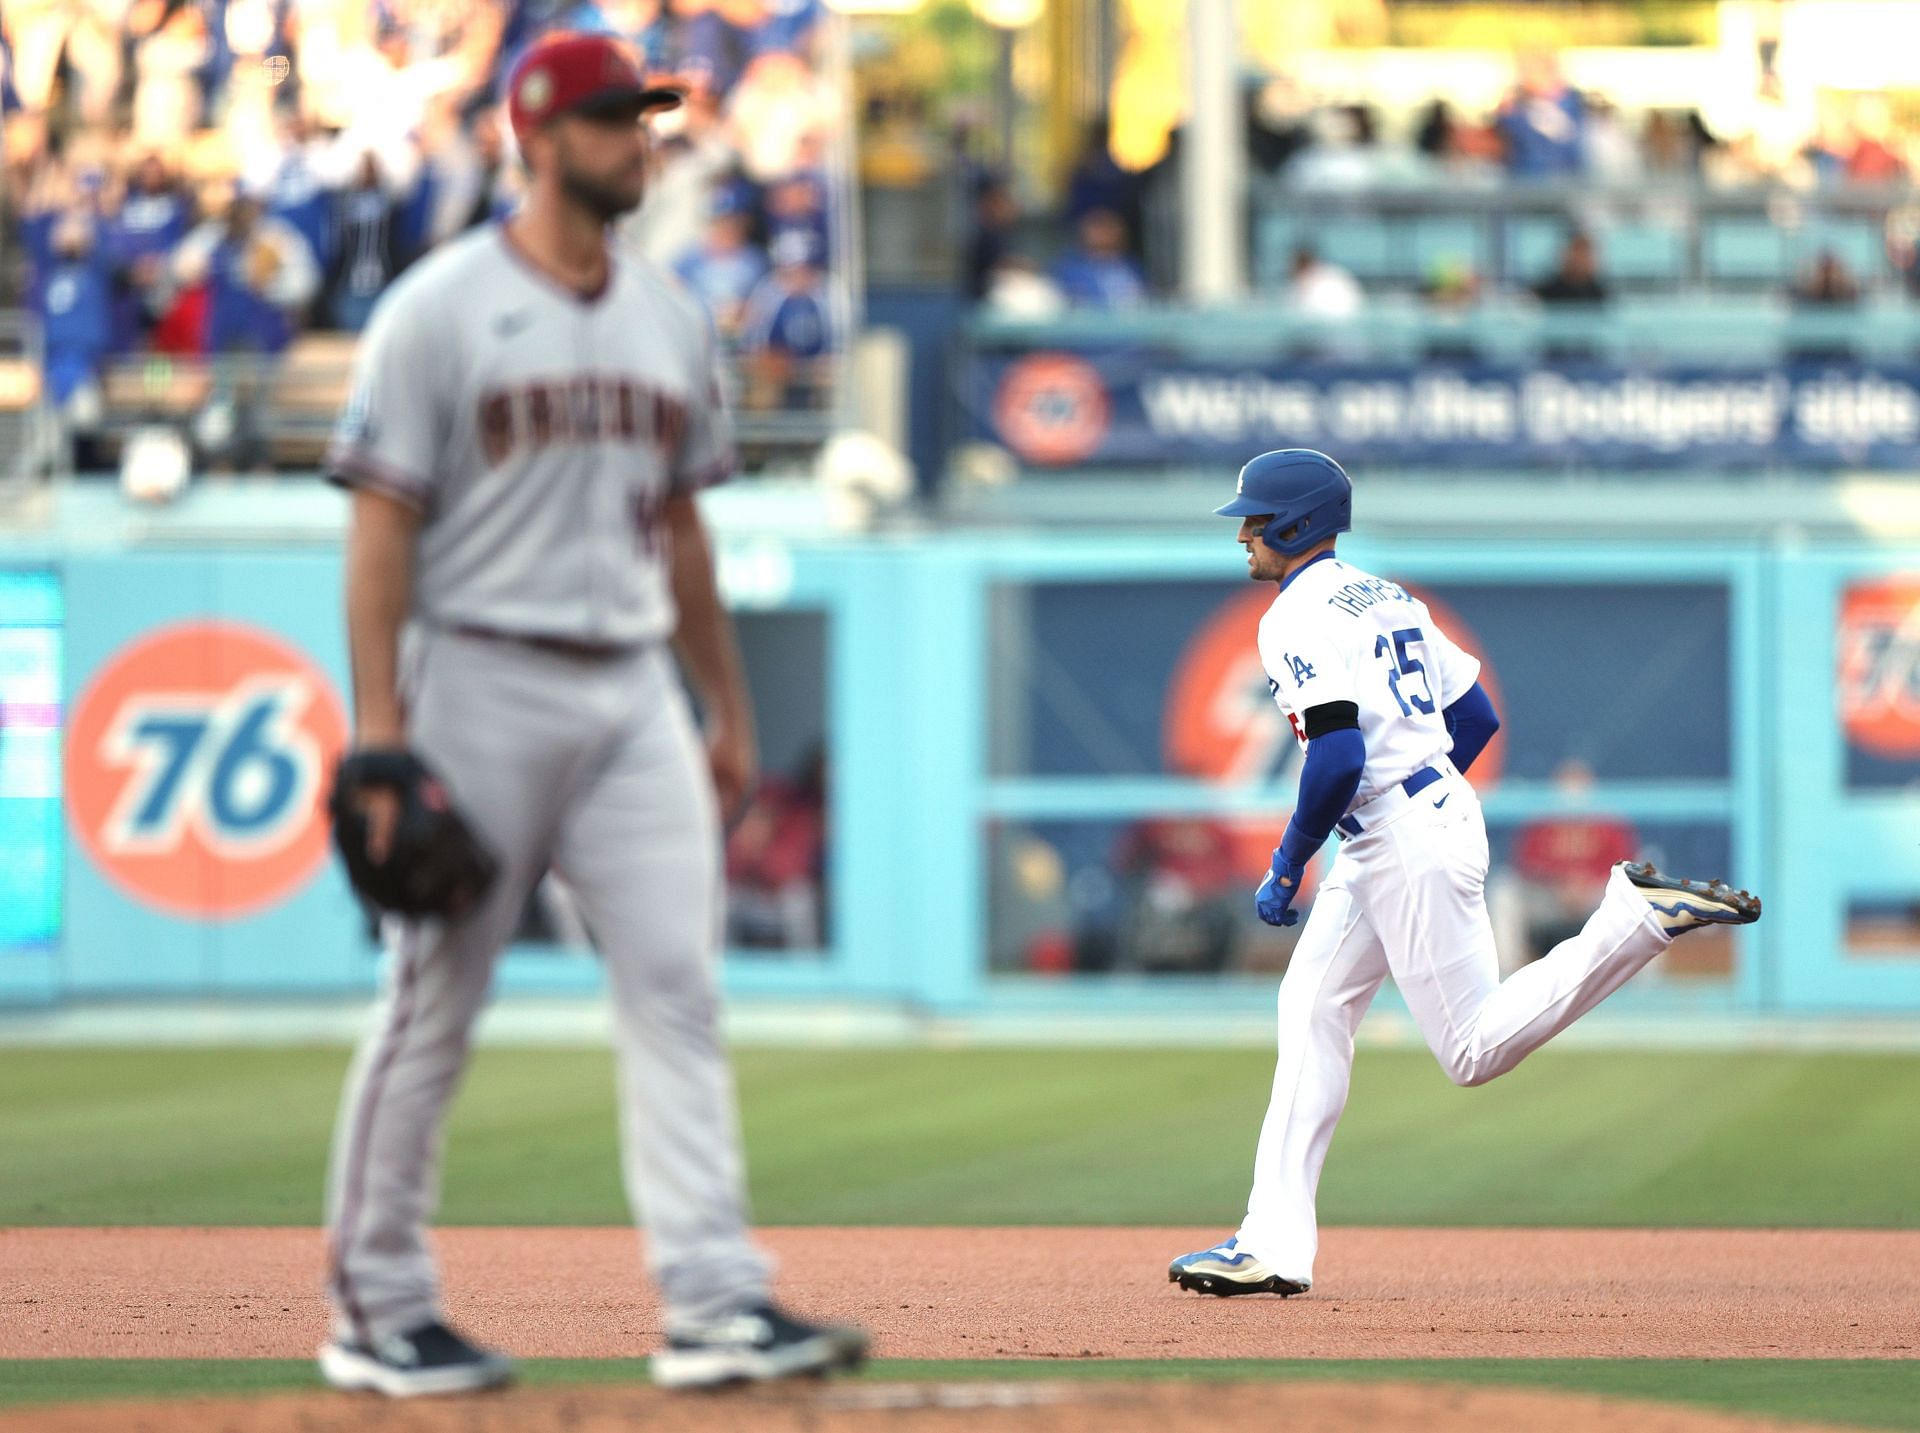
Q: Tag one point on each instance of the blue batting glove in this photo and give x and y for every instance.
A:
(1274, 899)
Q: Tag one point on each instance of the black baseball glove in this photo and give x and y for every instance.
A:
(435, 864)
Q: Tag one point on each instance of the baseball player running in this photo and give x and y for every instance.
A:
(532, 416)
(1391, 714)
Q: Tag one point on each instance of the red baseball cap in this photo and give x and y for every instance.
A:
(578, 73)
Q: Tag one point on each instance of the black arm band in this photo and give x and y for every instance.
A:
(1331, 716)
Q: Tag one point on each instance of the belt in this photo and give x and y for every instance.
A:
(1349, 825)
(562, 646)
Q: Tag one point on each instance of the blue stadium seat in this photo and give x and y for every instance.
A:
(1534, 242)
(1644, 253)
(1858, 242)
(1745, 251)
(1713, 328)
(1886, 329)
(1633, 253)
(1446, 238)
(1274, 236)
(1361, 245)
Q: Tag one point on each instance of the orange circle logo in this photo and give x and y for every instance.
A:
(1221, 723)
(1879, 652)
(195, 763)
(1052, 409)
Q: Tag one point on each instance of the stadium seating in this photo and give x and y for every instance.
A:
(1744, 251)
(1704, 328)
(1680, 239)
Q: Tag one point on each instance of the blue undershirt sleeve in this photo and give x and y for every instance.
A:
(1328, 781)
(1472, 722)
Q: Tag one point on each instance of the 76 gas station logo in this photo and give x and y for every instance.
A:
(195, 765)
(234, 766)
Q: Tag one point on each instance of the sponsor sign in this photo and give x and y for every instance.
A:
(1098, 407)
(1878, 684)
(196, 763)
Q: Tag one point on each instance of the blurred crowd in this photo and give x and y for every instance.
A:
(217, 177)
(1095, 251)
(1546, 130)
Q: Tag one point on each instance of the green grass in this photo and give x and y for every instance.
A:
(1867, 1393)
(988, 1136)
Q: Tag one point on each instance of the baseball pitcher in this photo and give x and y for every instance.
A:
(1391, 714)
(532, 415)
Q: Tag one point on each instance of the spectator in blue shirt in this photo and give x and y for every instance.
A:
(798, 201)
(367, 246)
(75, 310)
(709, 49)
(9, 96)
(36, 242)
(788, 27)
(154, 217)
(1099, 273)
(1544, 123)
(787, 332)
(53, 196)
(1098, 181)
(725, 269)
(260, 275)
(642, 24)
(295, 192)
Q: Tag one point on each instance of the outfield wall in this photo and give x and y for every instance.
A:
(999, 715)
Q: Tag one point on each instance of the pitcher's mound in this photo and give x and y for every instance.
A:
(1079, 1406)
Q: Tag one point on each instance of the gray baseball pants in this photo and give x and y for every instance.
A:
(590, 765)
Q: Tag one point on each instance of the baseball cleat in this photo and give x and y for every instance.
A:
(1681, 905)
(1228, 1269)
(756, 1344)
(430, 1359)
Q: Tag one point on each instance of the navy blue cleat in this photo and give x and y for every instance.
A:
(1228, 1269)
(756, 1344)
(1681, 905)
(431, 1359)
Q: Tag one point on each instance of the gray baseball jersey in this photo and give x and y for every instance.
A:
(539, 432)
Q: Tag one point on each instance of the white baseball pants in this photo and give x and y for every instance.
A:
(1407, 897)
(591, 765)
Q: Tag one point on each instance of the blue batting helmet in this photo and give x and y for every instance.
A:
(1309, 495)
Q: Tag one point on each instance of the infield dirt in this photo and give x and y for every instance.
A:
(1028, 1407)
(1068, 1293)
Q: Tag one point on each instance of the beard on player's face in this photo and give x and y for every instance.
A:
(606, 201)
(606, 189)
(1263, 563)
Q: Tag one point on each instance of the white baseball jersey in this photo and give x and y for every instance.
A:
(1337, 634)
(539, 432)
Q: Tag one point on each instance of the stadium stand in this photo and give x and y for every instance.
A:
(190, 238)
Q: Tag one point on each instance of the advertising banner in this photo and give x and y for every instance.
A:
(205, 700)
(1878, 682)
(31, 714)
(1120, 407)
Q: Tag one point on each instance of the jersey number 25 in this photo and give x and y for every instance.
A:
(1404, 665)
